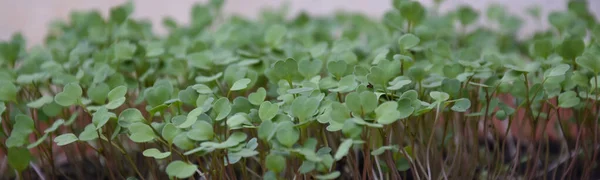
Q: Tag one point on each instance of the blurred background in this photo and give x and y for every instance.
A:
(32, 17)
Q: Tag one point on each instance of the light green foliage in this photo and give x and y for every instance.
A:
(275, 97)
(180, 169)
(70, 95)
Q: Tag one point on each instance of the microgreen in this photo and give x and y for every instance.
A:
(419, 93)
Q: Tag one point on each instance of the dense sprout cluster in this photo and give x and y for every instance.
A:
(408, 96)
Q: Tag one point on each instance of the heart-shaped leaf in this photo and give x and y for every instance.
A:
(235, 121)
(287, 134)
(275, 34)
(304, 107)
(275, 162)
(70, 95)
(310, 68)
(439, 96)
(191, 118)
(40, 102)
(332, 175)
(169, 131)
(461, 105)
(202, 89)
(222, 108)
(155, 153)
(101, 117)
(141, 132)
(240, 84)
(408, 41)
(181, 169)
(116, 97)
(130, 116)
(65, 139)
(568, 99)
(343, 149)
(361, 103)
(201, 131)
(8, 91)
(89, 133)
(387, 113)
(257, 97)
(337, 68)
(267, 110)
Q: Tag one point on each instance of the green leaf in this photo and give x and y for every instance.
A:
(287, 134)
(387, 113)
(525, 68)
(188, 96)
(304, 107)
(284, 70)
(332, 175)
(337, 68)
(201, 131)
(346, 84)
(101, 117)
(267, 111)
(222, 108)
(413, 11)
(2, 109)
(116, 97)
(46, 99)
(266, 130)
(141, 132)
(155, 153)
(89, 133)
(343, 149)
(467, 15)
(275, 34)
(408, 41)
(54, 126)
(237, 120)
(589, 62)
(233, 140)
(65, 139)
(202, 60)
(361, 103)
(154, 49)
(191, 118)
(542, 48)
(18, 158)
(181, 169)
(202, 89)
(306, 167)
(240, 84)
(203, 79)
(558, 70)
(275, 162)
(461, 105)
(398, 83)
(382, 149)
(183, 142)
(169, 131)
(318, 50)
(98, 93)
(70, 95)
(38, 141)
(309, 68)
(257, 97)
(377, 76)
(568, 99)
(130, 116)
(571, 48)
(124, 50)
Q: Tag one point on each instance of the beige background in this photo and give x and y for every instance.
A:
(31, 17)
